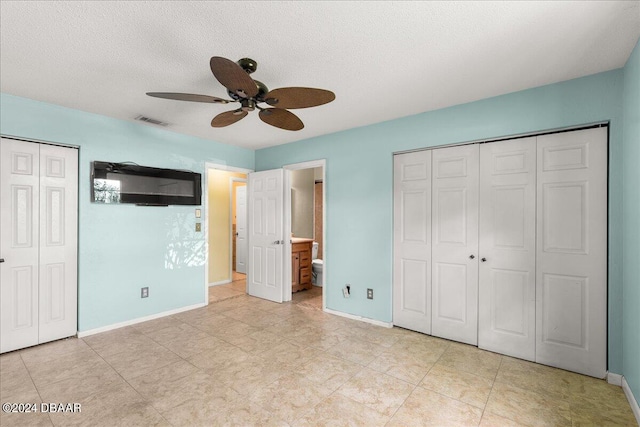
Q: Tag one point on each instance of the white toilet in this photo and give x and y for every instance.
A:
(316, 266)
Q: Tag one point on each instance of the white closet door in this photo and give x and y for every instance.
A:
(19, 196)
(412, 241)
(506, 321)
(571, 276)
(266, 239)
(58, 237)
(455, 243)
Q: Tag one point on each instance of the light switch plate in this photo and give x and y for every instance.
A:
(198, 213)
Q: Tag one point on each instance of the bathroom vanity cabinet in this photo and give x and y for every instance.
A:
(301, 264)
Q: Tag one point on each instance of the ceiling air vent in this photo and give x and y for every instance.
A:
(152, 121)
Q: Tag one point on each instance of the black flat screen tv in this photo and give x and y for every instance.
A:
(143, 185)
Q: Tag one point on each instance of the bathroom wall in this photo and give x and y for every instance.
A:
(318, 224)
(302, 203)
(219, 184)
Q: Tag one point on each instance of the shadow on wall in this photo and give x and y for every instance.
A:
(185, 247)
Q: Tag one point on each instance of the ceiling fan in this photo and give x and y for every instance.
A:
(250, 93)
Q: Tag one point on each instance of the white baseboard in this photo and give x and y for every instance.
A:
(221, 282)
(83, 334)
(615, 379)
(632, 400)
(360, 318)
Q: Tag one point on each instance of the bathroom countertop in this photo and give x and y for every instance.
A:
(300, 240)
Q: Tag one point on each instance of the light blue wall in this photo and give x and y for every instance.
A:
(123, 248)
(359, 181)
(631, 224)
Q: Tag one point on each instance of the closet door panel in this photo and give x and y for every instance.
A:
(412, 241)
(58, 247)
(571, 276)
(455, 243)
(507, 247)
(19, 239)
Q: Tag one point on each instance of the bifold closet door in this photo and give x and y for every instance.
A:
(58, 242)
(19, 244)
(507, 269)
(571, 261)
(455, 243)
(412, 241)
(38, 234)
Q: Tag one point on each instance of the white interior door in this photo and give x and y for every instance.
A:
(266, 239)
(571, 274)
(412, 241)
(241, 229)
(506, 310)
(455, 243)
(58, 242)
(19, 241)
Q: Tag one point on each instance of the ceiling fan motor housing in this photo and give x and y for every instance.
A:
(262, 91)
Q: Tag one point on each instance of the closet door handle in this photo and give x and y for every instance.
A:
(472, 256)
(1, 259)
(483, 260)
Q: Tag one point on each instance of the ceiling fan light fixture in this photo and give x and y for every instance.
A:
(248, 105)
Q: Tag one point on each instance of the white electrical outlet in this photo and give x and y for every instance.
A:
(345, 291)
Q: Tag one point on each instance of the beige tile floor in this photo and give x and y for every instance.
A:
(249, 362)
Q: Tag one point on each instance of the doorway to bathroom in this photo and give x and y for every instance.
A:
(305, 206)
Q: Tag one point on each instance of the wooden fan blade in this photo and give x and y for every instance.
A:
(298, 97)
(227, 118)
(232, 76)
(280, 118)
(188, 97)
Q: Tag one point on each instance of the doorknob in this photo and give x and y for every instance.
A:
(277, 242)
(472, 256)
(1, 259)
(483, 259)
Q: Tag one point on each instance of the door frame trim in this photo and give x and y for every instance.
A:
(205, 216)
(605, 123)
(286, 288)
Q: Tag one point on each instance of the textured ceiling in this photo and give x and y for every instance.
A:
(383, 60)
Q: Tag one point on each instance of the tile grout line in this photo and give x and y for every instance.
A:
(127, 382)
(491, 390)
(34, 386)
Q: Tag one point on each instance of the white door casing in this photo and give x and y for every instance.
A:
(454, 281)
(58, 242)
(265, 230)
(19, 241)
(571, 271)
(241, 229)
(506, 309)
(412, 241)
